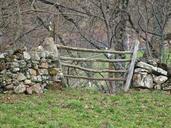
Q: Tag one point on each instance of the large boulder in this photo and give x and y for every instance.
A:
(142, 78)
(152, 68)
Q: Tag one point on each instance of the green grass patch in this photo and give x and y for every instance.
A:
(167, 57)
(78, 108)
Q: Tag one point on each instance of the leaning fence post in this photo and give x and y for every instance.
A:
(63, 82)
(131, 67)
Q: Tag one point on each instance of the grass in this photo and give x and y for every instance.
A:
(167, 57)
(86, 109)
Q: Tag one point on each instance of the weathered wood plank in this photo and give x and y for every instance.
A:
(63, 82)
(94, 59)
(98, 79)
(131, 68)
(93, 70)
(93, 50)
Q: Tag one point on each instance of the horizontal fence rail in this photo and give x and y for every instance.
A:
(95, 59)
(93, 50)
(99, 79)
(93, 70)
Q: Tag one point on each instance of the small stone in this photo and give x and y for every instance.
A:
(14, 76)
(10, 52)
(158, 87)
(40, 48)
(21, 77)
(44, 65)
(43, 54)
(8, 80)
(137, 70)
(50, 82)
(153, 62)
(15, 82)
(22, 64)
(36, 78)
(15, 59)
(35, 66)
(35, 56)
(53, 71)
(4, 83)
(160, 79)
(3, 71)
(9, 73)
(28, 75)
(52, 65)
(26, 55)
(43, 60)
(54, 78)
(9, 87)
(32, 72)
(29, 65)
(37, 88)
(49, 61)
(168, 88)
(35, 62)
(21, 88)
(14, 65)
(47, 54)
(14, 70)
(43, 71)
(45, 78)
(27, 81)
(2, 56)
(29, 90)
(61, 75)
(39, 78)
(43, 86)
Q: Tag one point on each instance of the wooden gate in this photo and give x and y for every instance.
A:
(73, 63)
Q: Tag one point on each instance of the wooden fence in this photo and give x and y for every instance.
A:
(67, 61)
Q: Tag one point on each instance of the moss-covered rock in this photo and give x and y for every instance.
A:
(53, 71)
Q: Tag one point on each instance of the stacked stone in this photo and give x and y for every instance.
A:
(151, 77)
(28, 72)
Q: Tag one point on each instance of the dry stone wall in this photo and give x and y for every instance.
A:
(28, 72)
(151, 77)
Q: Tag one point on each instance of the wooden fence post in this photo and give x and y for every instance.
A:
(131, 67)
(63, 82)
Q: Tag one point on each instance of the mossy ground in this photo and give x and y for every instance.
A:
(81, 108)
